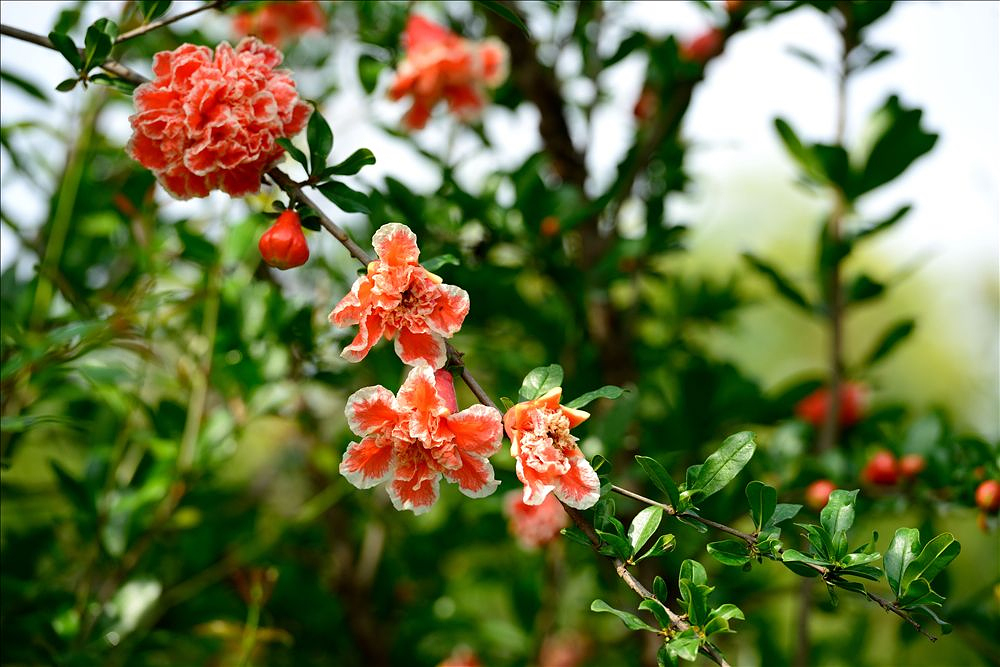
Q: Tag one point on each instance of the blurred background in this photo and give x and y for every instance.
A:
(173, 408)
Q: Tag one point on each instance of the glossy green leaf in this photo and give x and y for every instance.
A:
(684, 645)
(352, 164)
(631, 621)
(902, 550)
(540, 381)
(617, 544)
(607, 391)
(505, 12)
(730, 552)
(435, 263)
(763, 500)
(782, 512)
(656, 608)
(780, 283)
(643, 527)
(24, 85)
(662, 545)
(723, 465)
(320, 138)
(693, 571)
(838, 515)
(293, 151)
(658, 476)
(64, 45)
(153, 9)
(933, 558)
(346, 199)
(890, 340)
(903, 141)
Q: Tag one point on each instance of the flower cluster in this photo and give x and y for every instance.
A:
(211, 122)
(279, 23)
(548, 458)
(412, 439)
(440, 65)
(400, 299)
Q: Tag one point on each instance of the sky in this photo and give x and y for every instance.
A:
(947, 62)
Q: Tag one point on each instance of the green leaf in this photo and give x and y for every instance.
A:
(73, 489)
(658, 475)
(778, 281)
(838, 515)
(435, 263)
(728, 611)
(660, 588)
(763, 500)
(693, 571)
(684, 645)
(368, 71)
(643, 527)
(153, 9)
(802, 154)
(631, 621)
(352, 165)
(945, 626)
(619, 545)
(808, 57)
(919, 592)
(540, 381)
(933, 558)
(821, 541)
(320, 138)
(864, 288)
(730, 552)
(792, 557)
(856, 559)
(782, 512)
(626, 48)
(662, 545)
(600, 465)
(574, 534)
(890, 339)
(864, 571)
(345, 198)
(901, 143)
(697, 525)
(607, 391)
(24, 86)
(656, 608)
(67, 85)
(664, 658)
(96, 46)
(696, 598)
(22, 423)
(505, 13)
(883, 225)
(723, 465)
(902, 550)
(107, 26)
(604, 510)
(64, 45)
(296, 154)
(121, 85)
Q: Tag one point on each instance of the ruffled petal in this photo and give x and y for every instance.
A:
(445, 384)
(351, 308)
(419, 400)
(450, 309)
(367, 463)
(415, 487)
(369, 332)
(412, 347)
(396, 244)
(476, 429)
(575, 417)
(372, 410)
(475, 476)
(536, 486)
(579, 487)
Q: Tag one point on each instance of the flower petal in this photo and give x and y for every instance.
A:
(419, 399)
(536, 486)
(369, 332)
(579, 487)
(351, 308)
(476, 429)
(396, 244)
(445, 384)
(450, 309)
(416, 485)
(371, 410)
(367, 463)
(475, 476)
(412, 347)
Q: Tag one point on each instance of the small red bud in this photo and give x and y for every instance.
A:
(704, 47)
(550, 226)
(818, 494)
(853, 400)
(911, 465)
(881, 469)
(284, 245)
(988, 496)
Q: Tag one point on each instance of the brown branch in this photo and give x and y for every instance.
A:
(149, 27)
(110, 65)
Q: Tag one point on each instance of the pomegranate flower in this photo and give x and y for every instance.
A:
(413, 438)
(534, 525)
(212, 123)
(548, 458)
(398, 296)
(279, 23)
(440, 65)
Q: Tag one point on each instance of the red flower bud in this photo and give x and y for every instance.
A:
(853, 398)
(911, 465)
(284, 245)
(988, 496)
(704, 47)
(881, 469)
(550, 226)
(818, 494)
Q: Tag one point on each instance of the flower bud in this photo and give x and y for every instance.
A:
(284, 245)
(912, 465)
(988, 496)
(818, 494)
(882, 469)
(853, 400)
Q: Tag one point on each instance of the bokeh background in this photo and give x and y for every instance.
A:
(178, 340)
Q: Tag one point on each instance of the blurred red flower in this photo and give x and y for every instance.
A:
(704, 47)
(212, 123)
(440, 65)
(279, 23)
(534, 525)
(853, 401)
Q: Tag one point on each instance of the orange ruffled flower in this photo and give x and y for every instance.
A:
(279, 23)
(440, 65)
(412, 439)
(212, 123)
(548, 458)
(534, 525)
(398, 296)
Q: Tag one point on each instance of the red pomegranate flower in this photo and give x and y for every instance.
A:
(440, 65)
(548, 458)
(534, 525)
(211, 123)
(398, 296)
(413, 438)
(279, 23)
(853, 402)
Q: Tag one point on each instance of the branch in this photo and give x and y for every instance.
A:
(149, 27)
(110, 65)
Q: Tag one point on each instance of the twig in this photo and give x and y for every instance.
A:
(149, 27)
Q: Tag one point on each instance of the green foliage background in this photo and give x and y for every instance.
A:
(173, 408)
